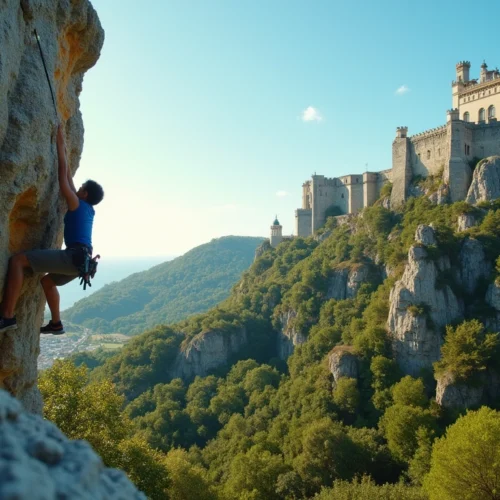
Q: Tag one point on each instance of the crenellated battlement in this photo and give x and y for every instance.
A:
(432, 132)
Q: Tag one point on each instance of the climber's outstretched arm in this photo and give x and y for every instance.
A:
(66, 188)
(70, 181)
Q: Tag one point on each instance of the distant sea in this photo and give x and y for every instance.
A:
(109, 269)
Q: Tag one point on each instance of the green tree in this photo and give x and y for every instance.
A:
(466, 350)
(253, 475)
(93, 411)
(420, 464)
(187, 480)
(145, 467)
(366, 489)
(410, 392)
(346, 395)
(400, 424)
(466, 461)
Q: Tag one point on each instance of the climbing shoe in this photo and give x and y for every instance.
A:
(53, 328)
(7, 324)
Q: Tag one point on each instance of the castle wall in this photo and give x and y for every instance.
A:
(355, 193)
(401, 170)
(323, 196)
(485, 140)
(303, 222)
(429, 152)
(371, 189)
(383, 178)
(341, 194)
(458, 173)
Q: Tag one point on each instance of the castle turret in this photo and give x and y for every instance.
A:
(463, 69)
(401, 132)
(483, 76)
(276, 233)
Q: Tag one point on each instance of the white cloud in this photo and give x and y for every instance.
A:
(402, 90)
(311, 114)
(281, 194)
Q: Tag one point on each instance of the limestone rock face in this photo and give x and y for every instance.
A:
(345, 283)
(289, 336)
(465, 221)
(206, 352)
(425, 235)
(418, 308)
(31, 209)
(453, 395)
(343, 363)
(37, 461)
(485, 184)
(441, 196)
(473, 264)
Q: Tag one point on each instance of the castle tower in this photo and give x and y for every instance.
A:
(463, 69)
(276, 233)
(401, 166)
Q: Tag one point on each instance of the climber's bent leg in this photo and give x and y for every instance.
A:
(50, 282)
(52, 296)
(15, 276)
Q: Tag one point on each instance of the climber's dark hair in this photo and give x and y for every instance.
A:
(95, 193)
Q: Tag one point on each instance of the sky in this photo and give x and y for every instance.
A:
(203, 118)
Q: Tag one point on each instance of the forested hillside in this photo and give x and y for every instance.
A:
(348, 370)
(168, 292)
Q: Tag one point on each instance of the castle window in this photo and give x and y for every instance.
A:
(342, 195)
(466, 117)
(439, 152)
(491, 112)
(357, 180)
(428, 154)
(481, 115)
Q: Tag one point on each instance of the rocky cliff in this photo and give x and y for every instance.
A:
(31, 209)
(206, 352)
(289, 336)
(419, 308)
(485, 185)
(38, 462)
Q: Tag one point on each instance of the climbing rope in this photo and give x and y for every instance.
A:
(46, 72)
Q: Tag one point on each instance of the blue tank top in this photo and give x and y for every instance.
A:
(78, 225)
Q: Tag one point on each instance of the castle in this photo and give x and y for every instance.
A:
(471, 132)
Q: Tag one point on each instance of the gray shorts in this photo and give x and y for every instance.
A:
(58, 263)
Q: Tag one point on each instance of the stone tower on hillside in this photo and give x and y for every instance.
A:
(276, 233)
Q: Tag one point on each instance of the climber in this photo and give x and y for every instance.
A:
(61, 265)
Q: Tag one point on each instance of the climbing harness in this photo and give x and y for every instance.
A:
(46, 72)
(86, 264)
(87, 269)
